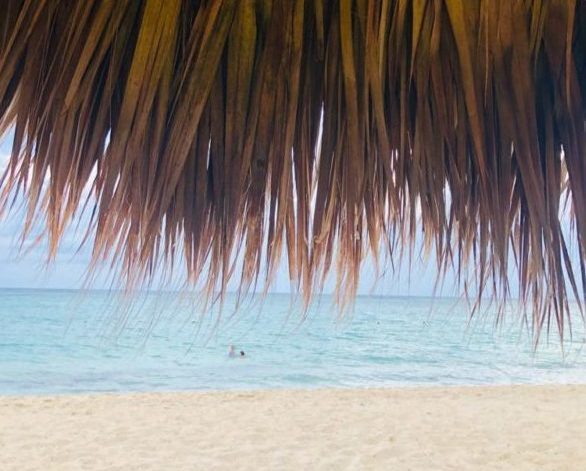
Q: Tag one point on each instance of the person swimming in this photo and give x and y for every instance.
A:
(232, 352)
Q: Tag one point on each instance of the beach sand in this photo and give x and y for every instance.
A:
(519, 427)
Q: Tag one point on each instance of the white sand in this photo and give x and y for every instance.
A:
(515, 428)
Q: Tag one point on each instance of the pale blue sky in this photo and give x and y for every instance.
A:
(29, 270)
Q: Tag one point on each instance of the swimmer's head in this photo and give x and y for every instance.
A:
(242, 353)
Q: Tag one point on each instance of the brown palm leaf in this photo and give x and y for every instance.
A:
(322, 130)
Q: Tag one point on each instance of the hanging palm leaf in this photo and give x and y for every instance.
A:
(328, 130)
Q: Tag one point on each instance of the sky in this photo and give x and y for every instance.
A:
(22, 269)
(29, 268)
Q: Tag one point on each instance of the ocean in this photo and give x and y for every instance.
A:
(55, 342)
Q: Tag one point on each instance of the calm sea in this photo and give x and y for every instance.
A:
(69, 342)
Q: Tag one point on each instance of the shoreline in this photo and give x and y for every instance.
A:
(475, 427)
(299, 389)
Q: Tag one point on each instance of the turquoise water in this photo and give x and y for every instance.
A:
(68, 342)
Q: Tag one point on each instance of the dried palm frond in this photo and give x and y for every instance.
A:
(325, 130)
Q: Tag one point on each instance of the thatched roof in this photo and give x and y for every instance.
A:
(320, 129)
